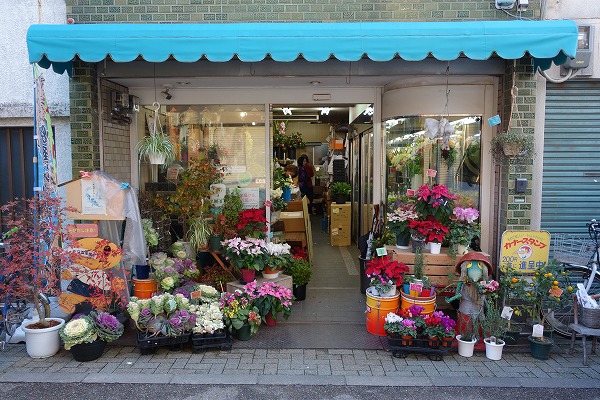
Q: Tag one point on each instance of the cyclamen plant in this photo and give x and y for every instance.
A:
(245, 253)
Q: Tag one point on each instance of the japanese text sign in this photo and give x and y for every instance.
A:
(524, 250)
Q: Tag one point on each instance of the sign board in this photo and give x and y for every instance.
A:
(250, 197)
(172, 173)
(83, 230)
(92, 197)
(524, 250)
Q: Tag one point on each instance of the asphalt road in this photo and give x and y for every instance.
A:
(19, 391)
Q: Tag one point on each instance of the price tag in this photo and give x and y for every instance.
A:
(431, 173)
(410, 192)
(507, 312)
(417, 287)
(538, 330)
(196, 294)
(381, 251)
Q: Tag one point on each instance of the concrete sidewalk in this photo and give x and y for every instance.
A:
(124, 364)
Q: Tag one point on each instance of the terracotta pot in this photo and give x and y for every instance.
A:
(447, 341)
(434, 342)
(407, 340)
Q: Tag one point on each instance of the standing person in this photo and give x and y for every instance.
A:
(305, 174)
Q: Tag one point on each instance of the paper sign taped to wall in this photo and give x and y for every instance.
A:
(495, 120)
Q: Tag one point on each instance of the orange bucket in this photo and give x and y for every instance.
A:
(377, 309)
(144, 288)
(426, 302)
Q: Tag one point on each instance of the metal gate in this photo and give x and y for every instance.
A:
(571, 185)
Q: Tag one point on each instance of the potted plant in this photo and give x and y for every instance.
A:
(157, 148)
(278, 259)
(538, 296)
(32, 261)
(434, 203)
(513, 143)
(432, 231)
(218, 233)
(246, 255)
(86, 335)
(386, 275)
(252, 223)
(232, 206)
(301, 272)
(398, 222)
(340, 192)
(241, 316)
(397, 327)
(493, 325)
(466, 340)
(270, 298)
(463, 228)
(199, 233)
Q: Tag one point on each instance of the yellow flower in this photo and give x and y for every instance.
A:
(555, 283)
(563, 273)
(517, 312)
(570, 288)
(515, 280)
(533, 278)
(557, 299)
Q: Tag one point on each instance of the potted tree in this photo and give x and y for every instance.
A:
(32, 262)
(513, 143)
(301, 273)
(340, 192)
(494, 326)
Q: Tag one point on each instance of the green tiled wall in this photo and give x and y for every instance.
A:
(174, 11)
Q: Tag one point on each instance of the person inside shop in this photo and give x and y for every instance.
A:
(292, 171)
(305, 174)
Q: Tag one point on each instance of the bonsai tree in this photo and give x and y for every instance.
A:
(513, 143)
(33, 257)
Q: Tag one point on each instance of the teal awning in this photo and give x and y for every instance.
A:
(546, 41)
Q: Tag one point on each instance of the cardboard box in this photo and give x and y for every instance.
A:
(294, 205)
(340, 214)
(293, 221)
(340, 235)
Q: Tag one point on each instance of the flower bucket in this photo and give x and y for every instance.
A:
(144, 288)
(493, 351)
(465, 348)
(435, 248)
(142, 271)
(403, 239)
(287, 194)
(428, 303)
(377, 309)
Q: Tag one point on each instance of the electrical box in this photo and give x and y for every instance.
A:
(520, 185)
(582, 59)
(505, 4)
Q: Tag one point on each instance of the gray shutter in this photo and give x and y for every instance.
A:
(571, 185)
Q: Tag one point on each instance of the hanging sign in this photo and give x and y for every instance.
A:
(524, 250)
(83, 230)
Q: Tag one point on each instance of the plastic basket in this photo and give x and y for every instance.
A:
(571, 249)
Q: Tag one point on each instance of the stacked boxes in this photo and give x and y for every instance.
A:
(341, 217)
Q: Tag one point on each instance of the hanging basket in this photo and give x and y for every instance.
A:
(157, 158)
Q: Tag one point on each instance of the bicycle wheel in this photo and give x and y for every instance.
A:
(14, 316)
(561, 318)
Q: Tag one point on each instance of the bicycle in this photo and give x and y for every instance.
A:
(580, 258)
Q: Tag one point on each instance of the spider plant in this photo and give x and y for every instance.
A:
(157, 148)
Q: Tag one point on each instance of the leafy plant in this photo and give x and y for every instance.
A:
(199, 232)
(300, 271)
(232, 206)
(340, 188)
(522, 141)
(86, 329)
(157, 143)
(436, 202)
(238, 309)
(418, 264)
(32, 260)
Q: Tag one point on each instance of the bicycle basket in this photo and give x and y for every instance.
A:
(571, 249)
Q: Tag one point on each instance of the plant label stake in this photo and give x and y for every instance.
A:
(538, 331)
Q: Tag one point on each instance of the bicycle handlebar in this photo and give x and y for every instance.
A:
(594, 230)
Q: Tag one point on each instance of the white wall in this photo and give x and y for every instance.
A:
(16, 76)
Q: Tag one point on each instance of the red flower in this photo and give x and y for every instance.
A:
(385, 269)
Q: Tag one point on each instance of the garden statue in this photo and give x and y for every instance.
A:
(473, 267)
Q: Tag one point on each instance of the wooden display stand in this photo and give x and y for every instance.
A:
(299, 229)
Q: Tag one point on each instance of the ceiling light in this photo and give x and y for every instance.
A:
(315, 83)
(325, 110)
(287, 111)
(369, 111)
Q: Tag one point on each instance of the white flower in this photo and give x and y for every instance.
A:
(393, 318)
(76, 327)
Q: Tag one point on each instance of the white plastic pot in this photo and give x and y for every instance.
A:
(157, 158)
(435, 248)
(493, 351)
(42, 343)
(465, 348)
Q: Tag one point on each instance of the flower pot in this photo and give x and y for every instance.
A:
(407, 340)
(248, 274)
(465, 348)
(278, 153)
(512, 337)
(142, 271)
(435, 248)
(270, 320)
(403, 239)
(299, 292)
(244, 333)
(461, 249)
(433, 342)
(447, 341)
(406, 287)
(540, 350)
(340, 198)
(157, 158)
(88, 351)
(44, 342)
(214, 242)
(389, 293)
(417, 244)
(270, 273)
(493, 351)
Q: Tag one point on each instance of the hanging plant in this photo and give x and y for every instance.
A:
(512, 144)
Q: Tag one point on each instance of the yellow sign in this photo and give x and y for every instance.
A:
(524, 250)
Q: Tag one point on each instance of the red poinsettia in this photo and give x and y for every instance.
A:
(385, 269)
(429, 230)
(252, 222)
